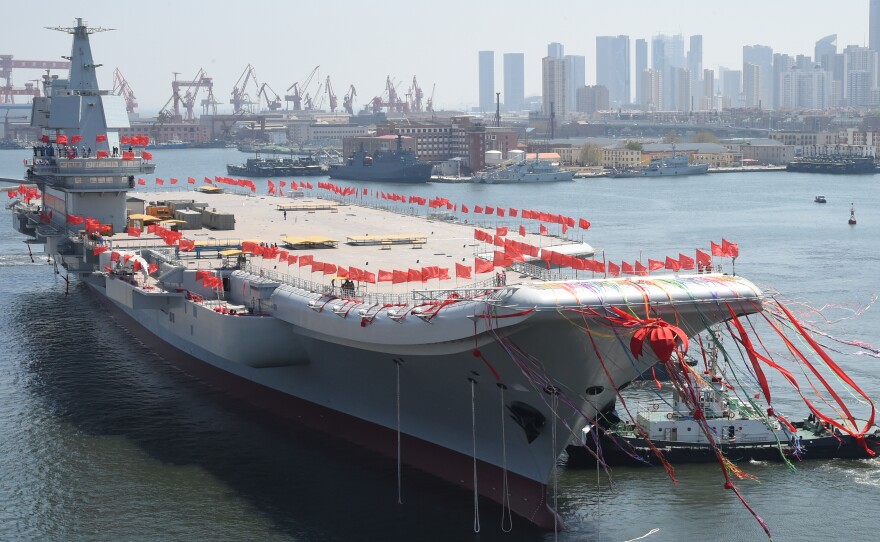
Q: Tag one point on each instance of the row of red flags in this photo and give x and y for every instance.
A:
(116, 256)
(61, 139)
(27, 194)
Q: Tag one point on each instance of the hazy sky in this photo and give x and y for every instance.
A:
(361, 42)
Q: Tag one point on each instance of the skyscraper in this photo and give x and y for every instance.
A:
(553, 87)
(695, 66)
(762, 57)
(514, 81)
(487, 81)
(782, 64)
(874, 26)
(667, 53)
(613, 67)
(641, 66)
(555, 50)
(575, 78)
(752, 85)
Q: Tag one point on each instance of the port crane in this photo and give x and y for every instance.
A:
(331, 95)
(429, 106)
(348, 100)
(393, 102)
(416, 95)
(272, 103)
(122, 88)
(188, 100)
(241, 101)
(7, 91)
(299, 90)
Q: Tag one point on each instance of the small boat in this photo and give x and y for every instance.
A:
(852, 215)
(820, 199)
(741, 431)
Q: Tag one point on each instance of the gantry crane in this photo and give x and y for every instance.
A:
(272, 103)
(331, 95)
(299, 91)
(417, 95)
(392, 102)
(7, 92)
(122, 88)
(241, 101)
(348, 100)
(429, 107)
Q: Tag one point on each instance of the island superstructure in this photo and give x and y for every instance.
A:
(480, 382)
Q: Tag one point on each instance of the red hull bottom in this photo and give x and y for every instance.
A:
(527, 497)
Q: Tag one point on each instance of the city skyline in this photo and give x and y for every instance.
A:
(149, 45)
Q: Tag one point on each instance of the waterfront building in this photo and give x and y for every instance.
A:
(487, 81)
(514, 81)
(575, 78)
(553, 87)
(695, 67)
(762, 57)
(641, 65)
(593, 98)
(874, 26)
(613, 68)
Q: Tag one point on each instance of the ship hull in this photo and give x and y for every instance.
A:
(458, 391)
(411, 174)
(527, 496)
(827, 447)
(678, 171)
(562, 176)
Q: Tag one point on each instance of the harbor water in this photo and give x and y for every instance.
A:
(100, 439)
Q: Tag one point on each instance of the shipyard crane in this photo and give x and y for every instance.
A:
(7, 92)
(241, 101)
(429, 107)
(310, 100)
(348, 100)
(122, 88)
(273, 104)
(331, 95)
(299, 90)
(392, 102)
(417, 95)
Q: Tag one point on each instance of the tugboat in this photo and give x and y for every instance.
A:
(820, 199)
(741, 431)
(277, 167)
(852, 215)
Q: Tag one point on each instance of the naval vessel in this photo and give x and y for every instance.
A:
(332, 323)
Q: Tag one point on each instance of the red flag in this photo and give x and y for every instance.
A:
(731, 250)
(159, 181)
(368, 277)
(75, 139)
(127, 155)
(462, 271)
(686, 262)
(483, 266)
(444, 273)
(190, 180)
(137, 265)
(398, 277)
(386, 276)
(716, 249)
(173, 180)
(100, 138)
(490, 210)
(703, 259)
(100, 250)
(146, 155)
(329, 269)
(114, 256)
(583, 224)
(142, 182)
(305, 260)
(478, 209)
(44, 139)
(414, 275)
(522, 231)
(501, 259)
(502, 231)
(613, 269)
(152, 268)
(672, 264)
(544, 230)
(627, 268)
(464, 208)
(640, 269)
(654, 265)
(513, 212)
(61, 139)
(103, 154)
(500, 211)
(317, 266)
(134, 232)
